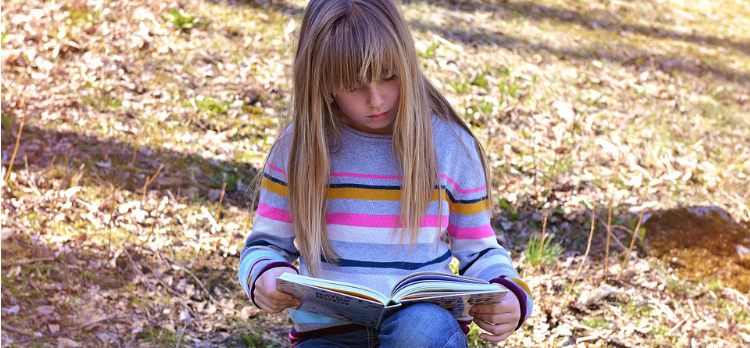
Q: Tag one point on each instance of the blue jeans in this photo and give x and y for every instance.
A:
(421, 325)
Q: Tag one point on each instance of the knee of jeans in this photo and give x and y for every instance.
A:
(422, 325)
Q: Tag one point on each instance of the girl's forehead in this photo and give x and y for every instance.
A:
(352, 66)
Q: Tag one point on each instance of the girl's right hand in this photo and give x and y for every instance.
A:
(267, 297)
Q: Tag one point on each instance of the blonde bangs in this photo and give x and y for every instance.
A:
(361, 49)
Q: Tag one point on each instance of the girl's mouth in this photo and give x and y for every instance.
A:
(378, 116)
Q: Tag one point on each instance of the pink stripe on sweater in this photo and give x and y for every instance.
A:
(458, 188)
(273, 213)
(366, 176)
(276, 168)
(348, 219)
(382, 221)
(471, 232)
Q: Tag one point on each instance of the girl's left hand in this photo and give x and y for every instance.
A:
(500, 319)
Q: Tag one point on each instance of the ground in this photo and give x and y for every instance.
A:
(134, 128)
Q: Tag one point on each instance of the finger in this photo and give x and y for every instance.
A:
(268, 304)
(274, 307)
(495, 329)
(279, 296)
(496, 338)
(285, 303)
(504, 318)
(491, 309)
(265, 305)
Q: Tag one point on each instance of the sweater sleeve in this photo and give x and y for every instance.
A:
(271, 242)
(472, 239)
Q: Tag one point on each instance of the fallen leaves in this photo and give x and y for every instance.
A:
(114, 90)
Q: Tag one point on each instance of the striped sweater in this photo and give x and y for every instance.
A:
(363, 206)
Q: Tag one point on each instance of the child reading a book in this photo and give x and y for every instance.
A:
(374, 178)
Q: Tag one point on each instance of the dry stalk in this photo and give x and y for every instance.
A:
(609, 227)
(544, 235)
(149, 181)
(135, 152)
(609, 237)
(15, 149)
(588, 248)
(191, 274)
(632, 242)
(221, 199)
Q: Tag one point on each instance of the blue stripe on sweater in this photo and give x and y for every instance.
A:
(479, 255)
(395, 264)
(261, 242)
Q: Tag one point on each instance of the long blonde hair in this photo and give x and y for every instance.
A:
(342, 44)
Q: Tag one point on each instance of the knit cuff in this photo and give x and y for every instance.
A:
(266, 268)
(518, 291)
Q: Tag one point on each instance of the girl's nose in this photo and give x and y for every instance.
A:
(375, 95)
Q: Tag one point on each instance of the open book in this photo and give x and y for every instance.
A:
(365, 306)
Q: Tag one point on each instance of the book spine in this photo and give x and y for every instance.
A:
(387, 312)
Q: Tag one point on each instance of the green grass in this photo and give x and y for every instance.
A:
(182, 19)
(598, 323)
(538, 254)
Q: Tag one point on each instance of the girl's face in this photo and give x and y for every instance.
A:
(372, 107)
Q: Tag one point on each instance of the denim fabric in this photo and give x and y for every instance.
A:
(416, 326)
(364, 338)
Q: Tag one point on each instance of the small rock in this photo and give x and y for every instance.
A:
(45, 310)
(214, 195)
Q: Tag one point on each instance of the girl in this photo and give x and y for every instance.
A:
(375, 177)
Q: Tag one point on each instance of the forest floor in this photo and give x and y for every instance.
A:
(144, 121)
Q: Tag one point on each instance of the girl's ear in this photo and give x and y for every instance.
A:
(330, 100)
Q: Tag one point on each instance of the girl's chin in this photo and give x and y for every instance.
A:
(375, 127)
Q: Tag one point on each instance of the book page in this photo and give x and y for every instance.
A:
(423, 276)
(459, 304)
(334, 304)
(347, 288)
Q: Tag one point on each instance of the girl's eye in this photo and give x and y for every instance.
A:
(391, 78)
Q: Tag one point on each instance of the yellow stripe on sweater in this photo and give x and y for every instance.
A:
(382, 195)
(522, 284)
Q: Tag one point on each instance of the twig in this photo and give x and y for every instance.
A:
(26, 262)
(158, 75)
(544, 235)
(588, 248)
(669, 333)
(741, 299)
(15, 149)
(609, 237)
(223, 189)
(111, 220)
(135, 267)
(182, 332)
(617, 241)
(65, 332)
(135, 153)
(632, 242)
(12, 329)
(194, 278)
(663, 308)
(150, 180)
(609, 226)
